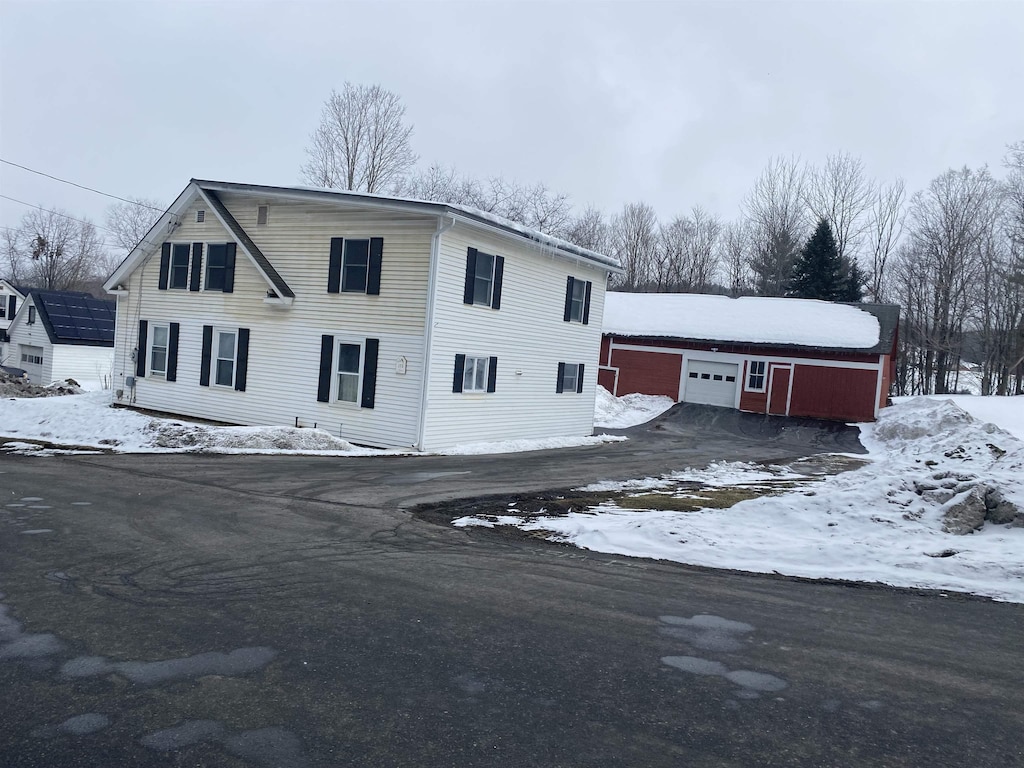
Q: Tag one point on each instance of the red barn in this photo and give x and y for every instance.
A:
(791, 357)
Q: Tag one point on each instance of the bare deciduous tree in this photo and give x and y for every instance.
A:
(362, 142)
(735, 259)
(777, 219)
(634, 239)
(841, 193)
(589, 230)
(129, 222)
(886, 229)
(687, 253)
(51, 250)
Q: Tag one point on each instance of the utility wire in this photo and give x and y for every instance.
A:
(80, 186)
(57, 213)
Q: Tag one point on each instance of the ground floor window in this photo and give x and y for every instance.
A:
(158, 350)
(475, 373)
(348, 372)
(226, 343)
(756, 375)
(570, 377)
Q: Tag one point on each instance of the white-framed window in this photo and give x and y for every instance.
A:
(349, 357)
(177, 277)
(577, 300)
(225, 347)
(31, 316)
(756, 375)
(216, 266)
(483, 279)
(569, 377)
(159, 337)
(355, 265)
(474, 379)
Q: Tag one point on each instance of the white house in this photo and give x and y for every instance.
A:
(388, 322)
(58, 335)
(11, 297)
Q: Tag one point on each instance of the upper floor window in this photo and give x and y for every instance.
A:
(756, 375)
(577, 301)
(355, 265)
(31, 315)
(216, 267)
(178, 276)
(484, 276)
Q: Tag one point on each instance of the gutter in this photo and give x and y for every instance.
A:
(428, 331)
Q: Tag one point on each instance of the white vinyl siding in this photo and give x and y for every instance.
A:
(528, 336)
(284, 343)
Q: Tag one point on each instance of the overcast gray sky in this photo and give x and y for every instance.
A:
(674, 104)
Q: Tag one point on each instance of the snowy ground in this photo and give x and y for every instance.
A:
(879, 523)
(86, 422)
(871, 524)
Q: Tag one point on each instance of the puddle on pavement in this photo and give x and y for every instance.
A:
(238, 662)
(272, 746)
(16, 644)
(715, 633)
(706, 632)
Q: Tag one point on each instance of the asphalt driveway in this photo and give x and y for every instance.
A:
(288, 611)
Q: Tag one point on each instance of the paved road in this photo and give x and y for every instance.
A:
(289, 611)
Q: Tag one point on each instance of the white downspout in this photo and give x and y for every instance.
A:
(428, 332)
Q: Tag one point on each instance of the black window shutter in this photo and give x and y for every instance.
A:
(143, 349)
(568, 299)
(460, 373)
(172, 351)
(579, 378)
(12, 306)
(373, 273)
(242, 359)
(334, 267)
(369, 373)
(229, 267)
(197, 267)
(467, 294)
(499, 273)
(204, 361)
(561, 375)
(492, 373)
(323, 392)
(165, 265)
(586, 305)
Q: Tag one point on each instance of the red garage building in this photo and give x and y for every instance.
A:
(792, 357)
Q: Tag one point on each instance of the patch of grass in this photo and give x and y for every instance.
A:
(708, 498)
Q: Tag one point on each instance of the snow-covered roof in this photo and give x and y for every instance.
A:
(749, 319)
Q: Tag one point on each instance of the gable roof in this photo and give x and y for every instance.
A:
(74, 317)
(752, 320)
(19, 289)
(209, 191)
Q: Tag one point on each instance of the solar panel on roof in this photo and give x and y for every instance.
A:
(75, 316)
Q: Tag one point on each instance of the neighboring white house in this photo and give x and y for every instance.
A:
(59, 335)
(388, 322)
(11, 297)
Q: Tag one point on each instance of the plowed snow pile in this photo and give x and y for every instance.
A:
(886, 522)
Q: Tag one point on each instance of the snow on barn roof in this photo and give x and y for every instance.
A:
(749, 319)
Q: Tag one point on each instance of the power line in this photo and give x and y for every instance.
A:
(57, 213)
(81, 186)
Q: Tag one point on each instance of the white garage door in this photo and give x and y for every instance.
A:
(710, 383)
(32, 361)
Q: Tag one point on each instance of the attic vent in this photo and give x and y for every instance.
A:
(261, 214)
(200, 216)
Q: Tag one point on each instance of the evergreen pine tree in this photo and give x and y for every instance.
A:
(853, 285)
(818, 272)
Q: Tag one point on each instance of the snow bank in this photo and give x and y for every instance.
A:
(872, 524)
(613, 412)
